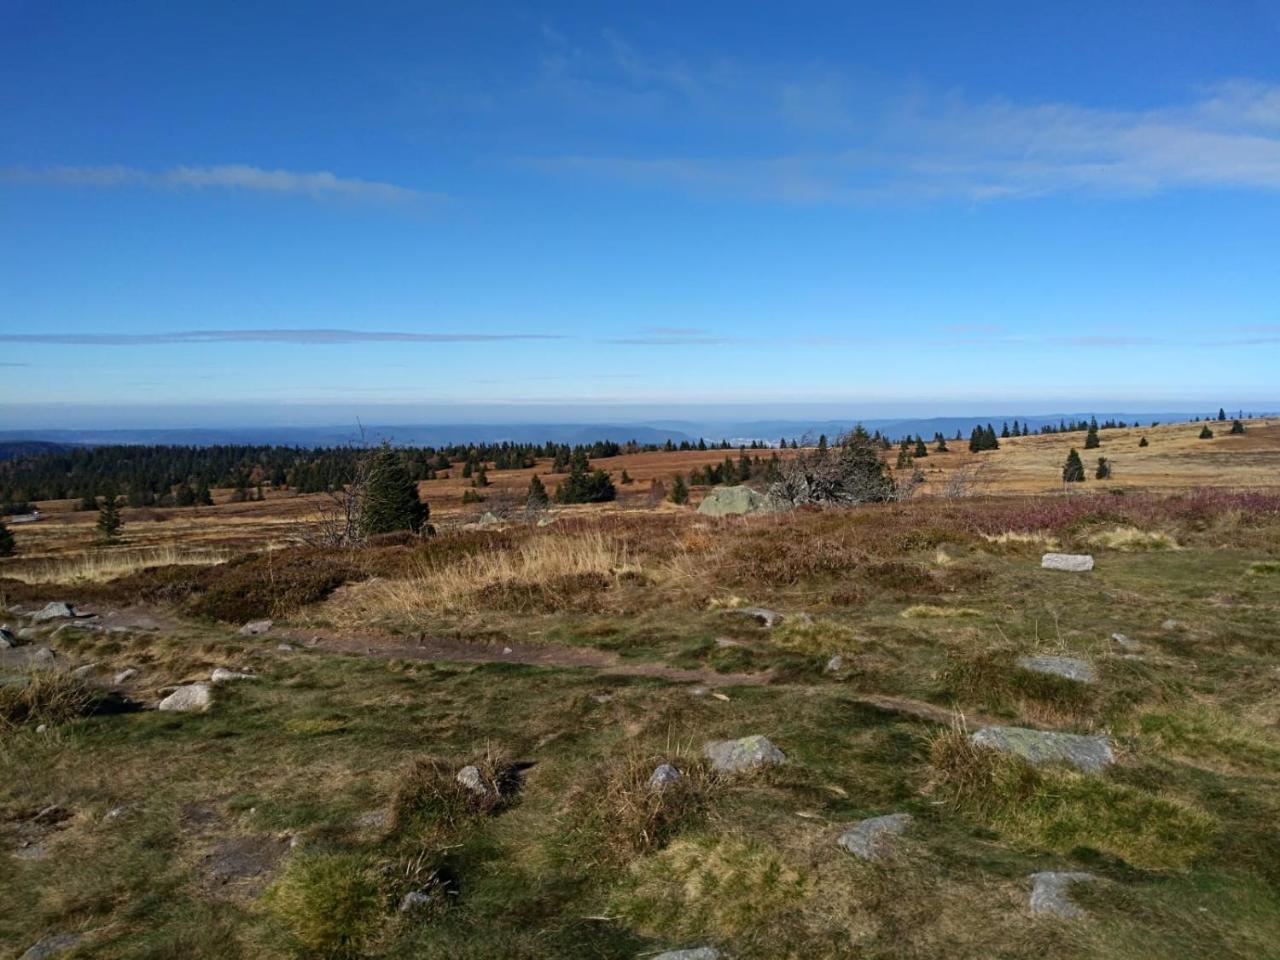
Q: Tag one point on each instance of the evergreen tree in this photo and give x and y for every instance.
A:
(7, 547)
(87, 503)
(1004, 432)
(679, 490)
(584, 485)
(203, 497)
(1143, 442)
(390, 496)
(921, 449)
(1206, 433)
(942, 444)
(1222, 414)
(822, 443)
(1091, 441)
(481, 478)
(537, 497)
(1073, 469)
(109, 522)
(1236, 427)
(1104, 469)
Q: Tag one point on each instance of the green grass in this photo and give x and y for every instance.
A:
(355, 757)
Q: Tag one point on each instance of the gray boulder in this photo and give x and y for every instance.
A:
(28, 634)
(223, 675)
(7, 638)
(125, 675)
(52, 946)
(735, 501)
(1069, 668)
(872, 839)
(44, 658)
(694, 953)
(663, 775)
(1071, 562)
(835, 664)
(1089, 754)
(470, 777)
(745, 753)
(761, 615)
(53, 611)
(255, 628)
(192, 698)
(1050, 893)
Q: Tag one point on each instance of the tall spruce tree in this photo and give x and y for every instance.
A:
(1091, 441)
(1104, 469)
(1206, 433)
(1073, 469)
(679, 490)
(109, 522)
(1236, 427)
(537, 497)
(389, 500)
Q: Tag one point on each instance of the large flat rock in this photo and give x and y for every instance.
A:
(1069, 668)
(745, 753)
(1071, 562)
(1086, 753)
(735, 501)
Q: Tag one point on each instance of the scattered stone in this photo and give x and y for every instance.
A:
(255, 628)
(1071, 562)
(871, 839)
(115, 813)
(506, 651)
(732, 756)
(1069, 668)
(223, 675)
(44, 657)
(125, 675)
(735, 501)
(192, 698)
(724, 642)
(413, 900)
(698, 691)
(470, 777)
(761, 615)
(1170, 624)
(28, 633)
(52, 946)
(695, 953)
(7, 638)
(53, 611)
(1087, 753)
(1125, 641)
(1049, 893)
(374, 819)
(835, 664)
(85, 671)
(663, 775)
(286, 647)
(29, 851)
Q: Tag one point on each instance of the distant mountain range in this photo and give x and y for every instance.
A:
(27, 442)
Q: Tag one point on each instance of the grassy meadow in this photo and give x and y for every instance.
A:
(566, 661)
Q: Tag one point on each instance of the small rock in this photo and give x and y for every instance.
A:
(7, 638)
(1071, 562)
(413, 900)
(724, 642)
(192, 698)
(373, 819)
(256, 628)
(52, 946)
(835, 664)
(470, 777)
(761, 615)
(115, 813)
(53, 611)
(694, 953)
(871, 839)
(223, 675)
(85, 671)
(44, 657)
(286, 647)
(506, 651)
(732, 756)
(28, 633)
(1069, 668)
(29, 851)
(125, 675)
(1086, 753)
(663, 775)
(1170, 624)
(698, 691)
(1125, 641)
(42, 728)
(1049, 893)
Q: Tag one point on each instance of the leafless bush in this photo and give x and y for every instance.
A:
(848, 472)
(967, 481)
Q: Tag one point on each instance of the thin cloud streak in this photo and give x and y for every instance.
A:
(315, 336)
(316, 185)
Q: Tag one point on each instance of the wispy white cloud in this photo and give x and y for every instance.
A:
(316, 184)
(314, 336)
(813, 135)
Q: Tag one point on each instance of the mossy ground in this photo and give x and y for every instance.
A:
(579, 862)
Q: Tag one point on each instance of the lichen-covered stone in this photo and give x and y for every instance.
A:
(1071, 562)
(1087, 753)
(1050, 893)
(1069, 668)
(872, 838)
(746, 753)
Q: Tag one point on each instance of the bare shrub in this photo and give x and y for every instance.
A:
(846, 473)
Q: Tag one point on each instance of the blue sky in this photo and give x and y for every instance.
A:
(312, 211)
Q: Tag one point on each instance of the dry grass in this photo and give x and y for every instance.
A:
(99, 566)
(548, 566)
(925, 611)
(1015, 538)
(1132, 539)
(43, 697)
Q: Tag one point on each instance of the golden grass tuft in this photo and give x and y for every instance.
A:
(925, 611)
(1131, 539)
(44, 697)
(99, 566)
(813, 636)
(1015, 538)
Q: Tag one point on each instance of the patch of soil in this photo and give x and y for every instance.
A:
(242, 866)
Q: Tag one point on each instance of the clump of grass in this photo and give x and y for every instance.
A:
(99, 566)
(629, 817)
(1039, 539)
(1132, 539)
(1062, 811)
(1203, 732)
(1264, 568)
(329, 902)
(925, 611)
(44, 697)
(991, 679)
(813, 636)
(430, 802)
